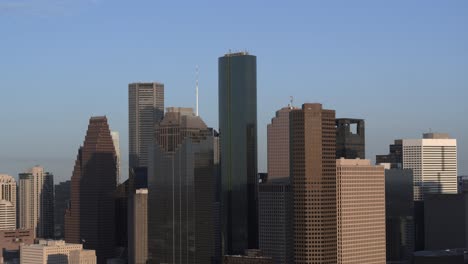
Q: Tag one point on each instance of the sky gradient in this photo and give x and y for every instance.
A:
(400, 65)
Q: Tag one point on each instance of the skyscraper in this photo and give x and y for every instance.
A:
(138, 227)
(433, 160)
(7, 202)
(237, 82)
(90, 218)
(350, 138)
(360, 212)
(181, 190)
(145, 109)
(8, 189)
(395, 157)
(278, 144)
(313, 175)
(116, 141)
(62, 200)
(36, 202)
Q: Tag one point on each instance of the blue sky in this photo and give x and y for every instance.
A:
(401, 65)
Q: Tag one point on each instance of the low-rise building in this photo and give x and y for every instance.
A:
(56, 252)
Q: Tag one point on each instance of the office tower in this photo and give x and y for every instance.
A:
(181, 190)
(275, 212)
(52, 252)
(90, 219)
(278, 144)
(360, 193)
(62, 200)
(138, 227)
(36, 201)
(145, 109)
(446, 221)
(252, 256)
(399, 214)
(395, 157)
(350, 138)
(7, 202)
(116, 141)
(313, 175)
(433, 160)
(238, 139)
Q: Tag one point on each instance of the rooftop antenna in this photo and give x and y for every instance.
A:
(196, 92)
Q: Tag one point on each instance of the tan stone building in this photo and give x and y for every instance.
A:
(360, 195)
(56, 252)
(313, 175)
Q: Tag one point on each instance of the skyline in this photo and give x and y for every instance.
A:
(315, 52)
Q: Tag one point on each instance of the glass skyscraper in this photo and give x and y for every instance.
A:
(238, 142)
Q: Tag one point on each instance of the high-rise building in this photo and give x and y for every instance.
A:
(181, 190)
(275, 212)
(138, 227)
(313, 175)
(395, 157)
(278, 144)
(399, 215)
(90, 219)
(116, 141)
(350, 138)
(145, 109)
(237, 80)
(56, 252)
(360, 206)
(36, 201)
(433, 160)
(7, 202)
(62, 200)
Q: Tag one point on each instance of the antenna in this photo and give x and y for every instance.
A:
(196, 92)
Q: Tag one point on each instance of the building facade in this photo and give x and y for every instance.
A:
(313, 175)
(7, 202)
(360, 198)
(36, 202)
(90, 219)
(237, 83)
(145, 109)
(350, 138)
(10, 242)
(55, 252)
(62, 200)
(433, 160)
(181, 190)
(138, 227)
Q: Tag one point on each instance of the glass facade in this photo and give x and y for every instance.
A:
(238, 139)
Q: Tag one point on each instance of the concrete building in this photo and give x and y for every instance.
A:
(350, 138)
(399, 214)
(10, 242)
(251, 256)
(395, 157)
(275, 213)
(61, 202)
(90, 219)
(181, 190)
(313, 177)
(145, 109)
(278, 144)
(55, 252)
(7, 202)
(36, 201)
(116, 140)
(360, 196)
(433, 160)
(138, 227)
(237, 89)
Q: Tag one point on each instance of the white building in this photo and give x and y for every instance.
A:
(433, 160)
(56, 252)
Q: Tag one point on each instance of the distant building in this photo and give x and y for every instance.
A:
(56, 252)
(7, 202)
(116, 141)
(395, 157)
(11, 240)
(145, 109)
(360, 203)
(251, 256)
(138, 227)
(433, 160)
(399, 212)
(350, 138)
(62, 201)
(276, 234)
(237, 90)
(313, 178)
(36, 201)
(462, 184)
(447, 256)
(181, 190)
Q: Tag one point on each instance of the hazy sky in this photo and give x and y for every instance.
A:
(401, 65)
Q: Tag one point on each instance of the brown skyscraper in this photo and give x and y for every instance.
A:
(90, 218)
(313, 174)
